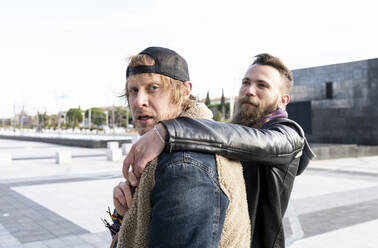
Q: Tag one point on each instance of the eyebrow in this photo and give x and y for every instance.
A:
(258, 81)
(262, 81)
(156, 82)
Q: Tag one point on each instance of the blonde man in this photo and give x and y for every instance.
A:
(183, 199)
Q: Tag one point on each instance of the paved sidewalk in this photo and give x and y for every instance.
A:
(360, 165)
(43, 204)
(333, 204)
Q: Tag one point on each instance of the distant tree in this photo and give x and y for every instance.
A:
(207, 101)
(218, 116)
(223, 105)
(40, 119)
(129, 118)
(217, 107)
(53, 121)
(63, 124)
(46, 120)
(76, 123)
(74, 115)
(98, 116)
(223, 100)
(120, 116)
(69, 125)
(43, 120)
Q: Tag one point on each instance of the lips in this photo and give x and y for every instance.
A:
(250, 103)
(144, 120)
(144, 117)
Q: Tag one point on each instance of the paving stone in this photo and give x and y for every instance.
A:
(91, 238)
(14, 246)
(30, 238)
(37, 244)
(26, 227)
(61, 232)
(73, 240)
(84, 246)
(319, 222)
(102, 239)
(6, 239)
(54, 243)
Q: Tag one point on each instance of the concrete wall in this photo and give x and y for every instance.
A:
(351, 116)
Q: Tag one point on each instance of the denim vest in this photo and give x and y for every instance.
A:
(193, 207)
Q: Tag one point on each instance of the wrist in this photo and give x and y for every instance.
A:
(116, 217)
(162, 131)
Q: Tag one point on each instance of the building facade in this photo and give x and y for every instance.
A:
(337, 103)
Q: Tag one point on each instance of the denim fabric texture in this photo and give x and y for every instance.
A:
(188, 206)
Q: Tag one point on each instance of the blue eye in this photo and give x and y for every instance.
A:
(154, 87)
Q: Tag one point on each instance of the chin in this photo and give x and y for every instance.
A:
(247, 106)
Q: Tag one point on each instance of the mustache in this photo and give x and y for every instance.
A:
(141, 111)
(248, 100)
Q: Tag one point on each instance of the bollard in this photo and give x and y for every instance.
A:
(112, 145)
(114, 155)
(5, 159)
(126, 148)
(63, 157)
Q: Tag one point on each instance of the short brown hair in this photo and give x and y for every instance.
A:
(176, 87)
(267, 59)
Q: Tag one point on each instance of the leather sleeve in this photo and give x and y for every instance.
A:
(277, 142)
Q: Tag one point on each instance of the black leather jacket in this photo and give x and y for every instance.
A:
(271, 156)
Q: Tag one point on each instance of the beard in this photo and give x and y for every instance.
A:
(250, 113)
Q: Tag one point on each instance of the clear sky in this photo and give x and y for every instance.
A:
(55, 55)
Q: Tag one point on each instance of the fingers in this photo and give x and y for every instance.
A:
(136, 154)
(123, 197)
(127, 163)
(133, 179)
(138, 167)
(119, 195)
(119, 200)
(129, 175)
(128, 194)
(144, 150)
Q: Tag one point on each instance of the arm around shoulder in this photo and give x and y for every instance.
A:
(277, 142)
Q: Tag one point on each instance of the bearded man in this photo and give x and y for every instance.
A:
(273, 149)
(183, 199)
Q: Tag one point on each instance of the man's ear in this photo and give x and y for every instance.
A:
(188, 87)
(284, 100)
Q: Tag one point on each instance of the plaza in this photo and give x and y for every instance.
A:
(47, 205)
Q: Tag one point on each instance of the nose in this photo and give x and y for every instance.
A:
(250, 90)
(141, 99)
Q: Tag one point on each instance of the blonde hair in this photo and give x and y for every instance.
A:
(176, 87)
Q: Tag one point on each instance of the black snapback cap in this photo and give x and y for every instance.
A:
(167, 62)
